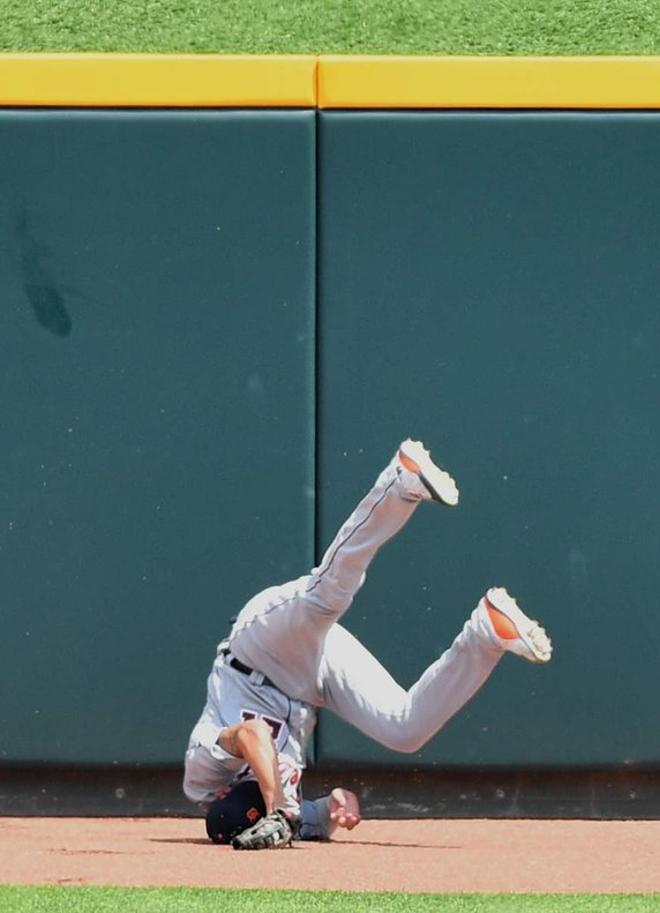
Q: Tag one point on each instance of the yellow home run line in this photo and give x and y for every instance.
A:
(327, 81)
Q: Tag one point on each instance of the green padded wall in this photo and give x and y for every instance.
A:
(157, 340)
(489, 283)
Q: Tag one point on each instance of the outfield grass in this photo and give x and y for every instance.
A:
(198, 900)
(338, 26)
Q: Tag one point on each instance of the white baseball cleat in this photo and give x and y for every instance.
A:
(437, 483)
(512, 629)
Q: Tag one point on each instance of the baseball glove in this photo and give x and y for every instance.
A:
(271, 832)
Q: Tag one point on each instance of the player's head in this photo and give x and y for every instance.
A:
(237, 809)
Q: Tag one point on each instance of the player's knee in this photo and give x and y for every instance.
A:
(327, 599)
(406, 742)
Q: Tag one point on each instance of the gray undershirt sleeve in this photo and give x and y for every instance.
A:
(316, 819)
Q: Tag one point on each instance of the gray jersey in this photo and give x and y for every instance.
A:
(234, 697)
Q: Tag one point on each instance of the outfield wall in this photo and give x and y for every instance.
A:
(221, 319)
(158, 366)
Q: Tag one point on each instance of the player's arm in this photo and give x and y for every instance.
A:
(252, 740)
(321, 817)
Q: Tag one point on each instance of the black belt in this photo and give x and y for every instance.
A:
(241, 667)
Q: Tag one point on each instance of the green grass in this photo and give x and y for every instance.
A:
(337, 26)
(198, 900)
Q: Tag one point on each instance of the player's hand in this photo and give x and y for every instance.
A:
(344, 808)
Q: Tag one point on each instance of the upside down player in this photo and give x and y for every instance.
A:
(287, 655)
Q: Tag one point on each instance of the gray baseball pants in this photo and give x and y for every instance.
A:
(291, 633)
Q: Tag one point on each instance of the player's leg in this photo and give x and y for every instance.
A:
(410, 477)
(362, 692)
(281, 631)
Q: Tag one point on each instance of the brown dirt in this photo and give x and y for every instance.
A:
(404, 856)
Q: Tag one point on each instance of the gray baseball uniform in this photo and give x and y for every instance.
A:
(305, 659)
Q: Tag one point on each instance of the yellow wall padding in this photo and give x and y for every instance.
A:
(158, 80)
(489, 82)
(326, 81)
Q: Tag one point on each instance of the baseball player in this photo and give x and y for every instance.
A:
(287, 655)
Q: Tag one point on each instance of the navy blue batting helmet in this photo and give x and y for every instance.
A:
(237, 810)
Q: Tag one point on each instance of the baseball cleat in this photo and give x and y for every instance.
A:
(439, 485)
(513, 630)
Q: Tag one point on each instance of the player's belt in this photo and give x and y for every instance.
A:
(241, 667)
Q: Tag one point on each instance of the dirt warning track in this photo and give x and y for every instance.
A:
(406, 856)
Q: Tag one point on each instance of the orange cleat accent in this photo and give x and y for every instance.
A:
(512, 629)
(436, 483)
(503, 626)
(408, 463)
